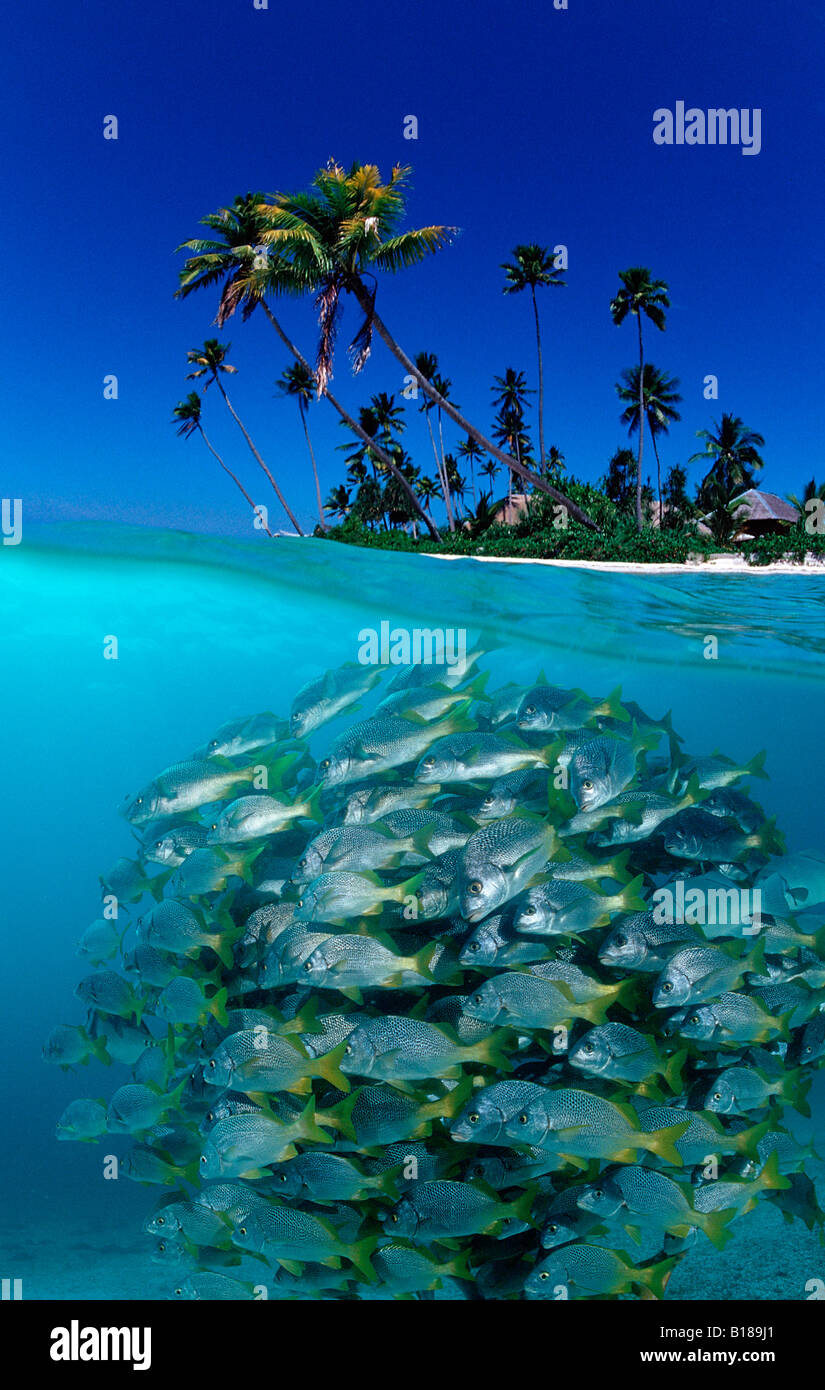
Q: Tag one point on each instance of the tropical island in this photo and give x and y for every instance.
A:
(496, 492)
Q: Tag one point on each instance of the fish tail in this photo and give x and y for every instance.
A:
(459, 1266)
(156, 885)
(672, 1073)
(312, 804)
(613, 708)
(422, 960)
(754, 961)
(626, 993)
(756, 766)
(244, 866)
(360, 1253)
(329, 1067)
(770, 1178)
(460, 720)
(310, 1128)
(795, 1087)
(629, 900)
(522, 1208)
(223, 950)
(595, 1010)
(339, 1116)
(616, 869)
(492, 1050)
(655, 1277)
(715, 1224)
(98, 1051)
(217, 1006)
(747, 1140)
(477, 689)
(662, 1142)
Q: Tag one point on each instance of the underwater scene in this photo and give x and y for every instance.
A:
(381, 926)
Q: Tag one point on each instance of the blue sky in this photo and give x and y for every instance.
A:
(534, 125)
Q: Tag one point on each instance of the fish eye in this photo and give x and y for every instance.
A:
(809, 1048)
(717, 1095)
(488, 801)
(282, 1177)
(588, 1047)
(598, 1192)
(544, 1274)
(394, 1217)
(203, 1159)
(161, 1221)
(530, 910)
(242, 1230)
(694, 1018)
(477, 999)
(214, 825)
(308, 966)
(475, 887)
(474, 1118)
(178, 1293)
(139, 801)
(212, 1064)
(529, 709)
(348, 1050)
(324, 764)
(552, 1228)
(474, 946)
(210, 1115)
(620, 939)
(667, 987)
(588, 785)
(300, 902)
(523, 1118)
(428, 762)
(213, 743)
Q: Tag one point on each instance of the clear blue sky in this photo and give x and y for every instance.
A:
(534, 125)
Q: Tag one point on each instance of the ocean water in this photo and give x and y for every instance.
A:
(208, 629)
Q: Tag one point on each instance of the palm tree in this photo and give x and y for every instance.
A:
(296, 381)
(210, 361)
(509, 429)
(555, 462)
(533, 265)
(427, 364)
(188, 417)
(339, 502)
(490, 470)
(640, 294)
(811, 491)
(473, 453)
(343, 231)
(660, 401)
(237, 256)
(733, 453)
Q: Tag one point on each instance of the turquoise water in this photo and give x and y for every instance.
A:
(208, 629)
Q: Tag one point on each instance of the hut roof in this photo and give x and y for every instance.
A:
(754, 505)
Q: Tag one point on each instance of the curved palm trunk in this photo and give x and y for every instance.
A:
(658, 470)
(541, 379)
(448, 493)
(442, 474)
(236, 417)
(235, 479)
(464, 425)
(642, 415)
(321, 517)
(355, 427)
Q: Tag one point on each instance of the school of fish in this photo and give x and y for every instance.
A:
(492, 994)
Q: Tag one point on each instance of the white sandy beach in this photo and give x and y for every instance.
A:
(717, 564)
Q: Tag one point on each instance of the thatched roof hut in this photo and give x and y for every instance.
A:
(761, 514)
